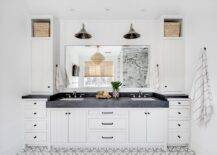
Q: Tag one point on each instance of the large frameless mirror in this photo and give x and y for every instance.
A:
(97, 66)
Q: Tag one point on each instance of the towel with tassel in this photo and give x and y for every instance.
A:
(59, 83)
(201, 96)
(153, 78)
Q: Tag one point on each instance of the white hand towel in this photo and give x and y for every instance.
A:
(201, 96)
(153, 78)
(59, 83)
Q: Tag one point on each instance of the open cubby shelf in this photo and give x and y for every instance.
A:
(41, 27)
(173, 28)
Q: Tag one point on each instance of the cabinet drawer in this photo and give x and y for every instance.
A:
(106, 137)
(107, 123)
(35, 138)
(179, 103)
(35, 125)
(35, 104)
(178, 138)
(107, 113)
(35, 113)
(179, 125)
(179, 113)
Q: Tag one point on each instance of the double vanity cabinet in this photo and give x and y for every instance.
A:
(110, 126)
(164, 123)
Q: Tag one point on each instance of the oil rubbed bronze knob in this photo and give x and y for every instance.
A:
(35, 137)
(35, 113)
(35, 125)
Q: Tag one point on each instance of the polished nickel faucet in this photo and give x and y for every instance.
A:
(75, 94)
(140, 94)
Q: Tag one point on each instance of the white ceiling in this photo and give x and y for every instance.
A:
(118, 9)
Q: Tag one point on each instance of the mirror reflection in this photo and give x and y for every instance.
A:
(97, 66)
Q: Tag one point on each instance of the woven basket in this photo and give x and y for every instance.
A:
(172, 29)
(41, 29)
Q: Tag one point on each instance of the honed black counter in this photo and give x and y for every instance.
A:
(176, 95)
(36, 96)
(89, 101)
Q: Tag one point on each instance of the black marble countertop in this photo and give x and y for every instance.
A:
(176, 95)
(36, 96)
(123, 102)
(90, 101)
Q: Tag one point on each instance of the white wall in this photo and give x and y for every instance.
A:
(201, 30)
(14, 66)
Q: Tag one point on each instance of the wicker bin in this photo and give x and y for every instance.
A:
(172, 29)
(41, 29)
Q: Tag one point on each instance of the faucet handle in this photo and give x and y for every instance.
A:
(82, 95)
(68, 95)
(133, 95)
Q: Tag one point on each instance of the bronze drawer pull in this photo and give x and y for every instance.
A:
(107, 112)
(107, 137)
(107, 123)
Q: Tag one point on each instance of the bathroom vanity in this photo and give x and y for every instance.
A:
(66, 120)
(87, 121)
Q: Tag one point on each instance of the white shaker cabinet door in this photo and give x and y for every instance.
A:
(41, 65)
(59, 126)
(137, 126)
(77, 126)
(173, 65)
(156, 125)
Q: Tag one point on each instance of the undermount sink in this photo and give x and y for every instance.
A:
(72, 99)
(142, 99)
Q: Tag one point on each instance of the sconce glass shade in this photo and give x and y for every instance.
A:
(132, 34)
(82, 34)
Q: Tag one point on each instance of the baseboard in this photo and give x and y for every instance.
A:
(12, 150)
(201, 150)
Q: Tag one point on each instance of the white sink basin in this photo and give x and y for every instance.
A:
(72, 99)
(142, 99)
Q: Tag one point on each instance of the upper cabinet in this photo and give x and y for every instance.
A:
(41, 54)
(172, 55)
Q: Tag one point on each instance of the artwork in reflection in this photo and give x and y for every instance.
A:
(85, 67)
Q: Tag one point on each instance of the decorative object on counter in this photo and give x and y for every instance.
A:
(82, 34)
(135, 66)
(103, 95)
(132, 34)
(75, 70)
(59, 83)
(97, 57)
(116, 86)
(201, 92)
